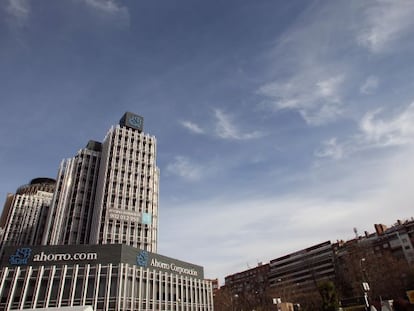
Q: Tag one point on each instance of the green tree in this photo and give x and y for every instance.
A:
(329, 296)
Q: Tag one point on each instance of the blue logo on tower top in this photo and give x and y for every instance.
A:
(21, 256)
(135, 121)
(142, 258)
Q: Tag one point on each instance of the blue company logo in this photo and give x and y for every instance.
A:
(142, 258)
(20, 257)
(135, 121)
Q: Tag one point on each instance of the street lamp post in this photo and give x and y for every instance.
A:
(233, 298)
(365, 284)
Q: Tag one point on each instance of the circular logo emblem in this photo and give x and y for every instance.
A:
(142, 258)
(135, 121)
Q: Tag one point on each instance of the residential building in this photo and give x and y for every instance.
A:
(249, 288)
(254, 279)
(378, 263)
(398, 240)
(301, 271)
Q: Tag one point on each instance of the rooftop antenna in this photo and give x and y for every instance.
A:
(356, 232)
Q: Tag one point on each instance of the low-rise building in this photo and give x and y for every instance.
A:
(106, 277)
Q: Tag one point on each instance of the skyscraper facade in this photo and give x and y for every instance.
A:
(126, 203)
(108, 193)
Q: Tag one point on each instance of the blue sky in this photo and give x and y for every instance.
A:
(280, 124)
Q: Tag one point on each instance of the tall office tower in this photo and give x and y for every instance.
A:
(25, 212)
(126, 202)
(69, 221)
(108, 193)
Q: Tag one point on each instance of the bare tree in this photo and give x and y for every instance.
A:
(385, 274)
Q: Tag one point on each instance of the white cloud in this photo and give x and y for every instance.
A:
(330, 149)
(374, 132)
(183, 167)
(314, 63)
(310, 70)
(369, 86)
(226, 129)
(19, 10)
(110, 9)
(328, 88)
(317, 99)
(385, 21)
(193, 127)
(398, 130)
(108, 6)
(398, 193)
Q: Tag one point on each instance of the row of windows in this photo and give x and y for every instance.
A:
(133, 177)
(294, 260)
(140, 155)
(302, 267)
(123, 135)
(131, 204)
(120, 160)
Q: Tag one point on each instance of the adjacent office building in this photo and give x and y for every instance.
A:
(99, 237)
(24, 213)
(70, 218)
